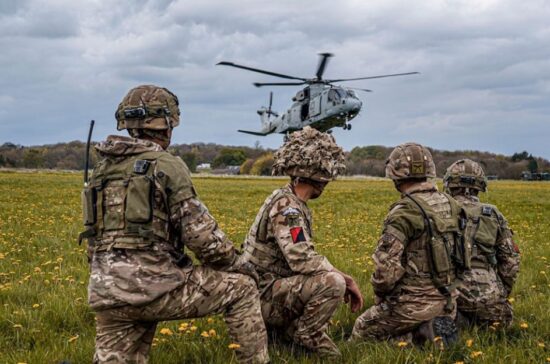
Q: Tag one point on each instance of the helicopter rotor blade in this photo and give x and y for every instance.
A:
(260, 84)
(270, 101)
(367, 78)
(231, 64)
(359, 89)
(322, 64)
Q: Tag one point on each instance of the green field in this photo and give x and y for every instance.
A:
(44, 317)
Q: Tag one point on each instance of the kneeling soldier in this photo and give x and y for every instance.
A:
(483, 296)
(417, 257)
(140, 210)
(300, 289)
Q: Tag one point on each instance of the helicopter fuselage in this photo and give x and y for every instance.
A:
(320, 106)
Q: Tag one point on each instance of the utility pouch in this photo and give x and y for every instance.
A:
(138, 200)
(440, 255)
(88, 198)
(487, 231)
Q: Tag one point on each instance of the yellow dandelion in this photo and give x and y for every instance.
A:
(166, 331)
(402, 344)
(17, 326)
(475, 354)
(233, 346)
(524, 325)
(36, 305)
(511, 299)
(205, 334)
(210, 320)
(72, 338)
(469, 343)
(437, 338)
(540, 345)
(212, 332)
(459, 362)
(193, 328)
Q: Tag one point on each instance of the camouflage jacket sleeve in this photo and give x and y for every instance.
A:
(291, 229)
(507, 253)
(400, 225)
(192, 222)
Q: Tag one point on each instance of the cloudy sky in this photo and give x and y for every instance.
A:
(484, 83)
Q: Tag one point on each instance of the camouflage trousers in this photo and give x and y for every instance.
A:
(398, 316)
(302, 306)
(483, 298)
(125, 334)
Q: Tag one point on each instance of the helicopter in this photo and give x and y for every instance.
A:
(321, 104)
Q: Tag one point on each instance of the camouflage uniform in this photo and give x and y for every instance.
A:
(495, 257)
(299, 289)
(139, 273)
(403, 280)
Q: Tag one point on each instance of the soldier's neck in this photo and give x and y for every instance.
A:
(303, 191)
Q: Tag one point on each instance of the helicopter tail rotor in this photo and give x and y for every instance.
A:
(270, 112)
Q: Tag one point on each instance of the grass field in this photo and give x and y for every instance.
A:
(44, 317)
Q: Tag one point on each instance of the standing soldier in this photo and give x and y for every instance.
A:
(483, 297)
(140, 209)
(300, 289)
(417, 257)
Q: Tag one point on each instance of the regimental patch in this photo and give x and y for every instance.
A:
(487, 210)
(297, 234)
(291, 211)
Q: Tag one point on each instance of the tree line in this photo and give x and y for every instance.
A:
(368, 160)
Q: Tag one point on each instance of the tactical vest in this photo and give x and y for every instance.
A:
(257, 249)
(440, 254)
(119, 204)
(482, 230)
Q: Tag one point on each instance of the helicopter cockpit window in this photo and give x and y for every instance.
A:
(334, 96)
(352, 93)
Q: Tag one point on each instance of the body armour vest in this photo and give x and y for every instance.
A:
(263, 252)
(439, 254)
(123, 205)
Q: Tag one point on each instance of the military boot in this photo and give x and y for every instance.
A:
(440, 330)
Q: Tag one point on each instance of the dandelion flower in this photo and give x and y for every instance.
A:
(166, 331)
(402, 344)
(469, 342)
(475, 354)
(210, 320)
(205, 334)
(212, 332)
(36, 305)
(17, 326)
(524, 325)
(193, 328)
(540, 345)
(233, 346)
(511, 299)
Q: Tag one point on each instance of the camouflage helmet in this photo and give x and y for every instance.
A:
(311, 154)
(467, 174)
(410, 161)
(148, 107)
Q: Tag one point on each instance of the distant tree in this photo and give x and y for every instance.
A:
(246, 166)
(190, 159)
(262, 166)
(32, 158)
(2, 161)
(533, 166)
(229, 157)
(516, 157)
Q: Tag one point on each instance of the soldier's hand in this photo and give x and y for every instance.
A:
(353, 294)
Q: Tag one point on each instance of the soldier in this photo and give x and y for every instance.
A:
(141, 209)
(416, 258)
(300, 289)
(483, 297)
